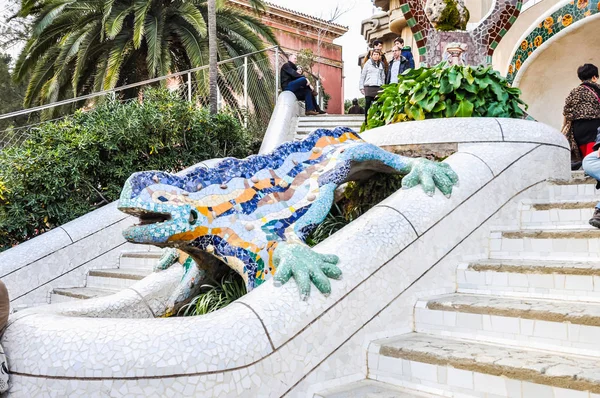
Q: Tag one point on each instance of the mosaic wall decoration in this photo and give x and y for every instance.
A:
(254, 214)
(557, 21)
(482, 41)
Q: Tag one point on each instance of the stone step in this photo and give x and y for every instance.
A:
(330, 123)
(557, 214)
(139, 259)
(328, 117)
(305, 130)
(371, 389)
(115, 278)
(476, 369)
(563, 326)
(573, 243)
(547, 279)
(59, 295)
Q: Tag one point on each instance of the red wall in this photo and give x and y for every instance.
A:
(331, 68)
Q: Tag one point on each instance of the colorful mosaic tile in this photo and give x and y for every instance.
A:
(482, 41)
(557, 21)
(249, 213)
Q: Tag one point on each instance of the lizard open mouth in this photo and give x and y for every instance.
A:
(147, 217)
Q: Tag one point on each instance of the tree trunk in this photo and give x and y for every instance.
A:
(212, 53)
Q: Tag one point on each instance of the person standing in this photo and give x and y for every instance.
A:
(582, 127)
(292, 81)
(377, 45)
(397, 65)
(371, 79)
(356, 109)
(405, 51)
(582, 111)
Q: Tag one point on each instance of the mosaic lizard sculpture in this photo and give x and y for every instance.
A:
(254, 214)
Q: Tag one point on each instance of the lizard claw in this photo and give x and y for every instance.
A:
(305, 265)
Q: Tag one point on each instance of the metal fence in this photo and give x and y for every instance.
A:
(247, 87)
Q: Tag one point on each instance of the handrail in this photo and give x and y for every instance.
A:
(121, 88)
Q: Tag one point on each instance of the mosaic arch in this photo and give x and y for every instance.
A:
(557, 21)
(486, 35)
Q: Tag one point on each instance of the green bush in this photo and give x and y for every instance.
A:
(70, 167)
(216, 296)
(440, 91)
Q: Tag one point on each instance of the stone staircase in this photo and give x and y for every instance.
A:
(132, 267)
(307, 124)
(523, 323)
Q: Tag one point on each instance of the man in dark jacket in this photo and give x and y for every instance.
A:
(397, 65)
(356, 109)
(292, 81)
(406, 52)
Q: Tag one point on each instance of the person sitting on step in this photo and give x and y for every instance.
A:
(292, 81)
(314, 94)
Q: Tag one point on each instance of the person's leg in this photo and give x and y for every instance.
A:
(368, 102)
(297, 84)
(591, 165)
(308, 99)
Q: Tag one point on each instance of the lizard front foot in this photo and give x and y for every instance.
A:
(305, 265)
(430, 175)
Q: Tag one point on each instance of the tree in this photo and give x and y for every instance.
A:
(13, 29)
(12, 97)
(80, 46)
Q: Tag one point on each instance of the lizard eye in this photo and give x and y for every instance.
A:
(193, 217)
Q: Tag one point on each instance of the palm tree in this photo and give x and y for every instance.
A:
(80, 46)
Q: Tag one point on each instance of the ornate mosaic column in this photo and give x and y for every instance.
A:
(481, 41)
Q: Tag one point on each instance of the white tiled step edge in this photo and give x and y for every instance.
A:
(567, 280)
(60, 295)
(139, 259)
(451, 367)
(305, 130)
(115, 278)
(332, 122)
(566, 243)
(562, 326)
(557, 213)
(371, 389)
(576, 190)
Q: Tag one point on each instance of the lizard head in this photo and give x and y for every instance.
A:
(164, 204)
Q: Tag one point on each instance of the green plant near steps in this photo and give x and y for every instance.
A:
(216, 296)
(70, 167)
(441, 91)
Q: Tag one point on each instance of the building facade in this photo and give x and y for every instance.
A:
(539, 54)
(295, 32)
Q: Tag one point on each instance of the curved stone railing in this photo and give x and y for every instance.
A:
(269, 343)
(283, 123)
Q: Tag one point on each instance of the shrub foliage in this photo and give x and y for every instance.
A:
(70, 167)
(440, 91)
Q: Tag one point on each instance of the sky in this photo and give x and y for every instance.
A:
(353, 43)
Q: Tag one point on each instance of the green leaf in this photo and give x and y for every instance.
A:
(465, 109)
(466, 72)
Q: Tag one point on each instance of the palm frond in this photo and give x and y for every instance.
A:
(140, 9)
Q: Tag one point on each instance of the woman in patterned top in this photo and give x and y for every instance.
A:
(582, 111)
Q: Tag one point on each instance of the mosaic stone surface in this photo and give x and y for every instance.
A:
(482, 40)
(557, 21)
(254, 214)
